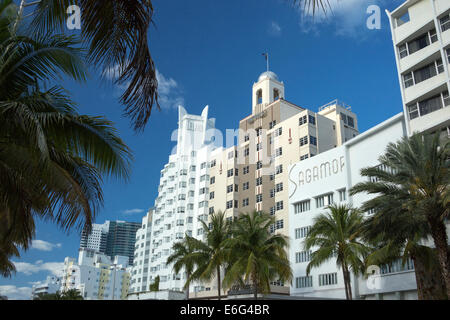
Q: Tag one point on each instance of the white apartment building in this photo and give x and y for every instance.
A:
(421, 37)
(96, 276)
(51, 284)
(97, 238)
(182, 197)
(140, 281)
(325, 179)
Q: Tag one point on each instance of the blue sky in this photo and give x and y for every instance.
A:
(209, 53)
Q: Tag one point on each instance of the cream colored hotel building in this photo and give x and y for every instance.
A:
(278, 141)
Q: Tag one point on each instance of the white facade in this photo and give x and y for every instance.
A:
(96, 276)
(96, 239)
(51, 285)
(421, 37)
(325, 179)
(182, 198)
(140, 280)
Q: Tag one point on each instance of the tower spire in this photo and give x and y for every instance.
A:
(266, 55)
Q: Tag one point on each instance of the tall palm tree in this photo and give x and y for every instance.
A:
(256, 255)
(52, 160)
(183, 258)
(336, 233)
(211, 256)
(414, 181)
(396, 233)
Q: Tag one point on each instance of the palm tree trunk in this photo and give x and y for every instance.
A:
(439, 234)
(187, 289)
(348, 293)
(255, 287)
(218, 282)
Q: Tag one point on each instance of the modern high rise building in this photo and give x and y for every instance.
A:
(121, 239)
(421, 38)
(113, 238)
(97, 276)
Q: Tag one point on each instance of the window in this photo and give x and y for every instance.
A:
(312, 119)
(230, 155)
(425, 73)
(279, 205)
(327, 279)
(246, 138)
(204, 177)
(272, 193)
(303, 282)
(279, 169)
(313, 140)
(402, 51)
(276, 94)
(259, 198)
(302, 256)
(272, 124)
(258, 165)
(439, 66)
(303, 157)
(403, 19)
(259, 181)
(430, 105)
(229, 204)
(324, 200)
(211, 210)
(258, 131)
(245, 185)
(342, 195)
(278, 132)
(212, 180)
(303, 141)
(408, 80)
(211, 195)
(448, 55)
(203, 165)
(302, 120)
(246, 169)
(278, 151)
(302, 206)
(229, 188)
(213, 163)
(246, 151)
(302, 232)
(272, 211)
(181, 197)
(230, 172)
(203, 190)
(203, 204)
(236, 171)
(445, 23)
(192, 181)
(413, 111)
(279, 224)
(182, 184)
(245, 202)
(279, 187)
(350, 122)
(258, 146)
(397, 266)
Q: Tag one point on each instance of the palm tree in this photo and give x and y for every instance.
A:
(256, 255)
(210, 256)
(52, 160)
(115, 34)
(72, 294)
(336, 234)
(182, 257)
(413, 183)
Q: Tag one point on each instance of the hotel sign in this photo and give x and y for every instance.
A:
(324, 170)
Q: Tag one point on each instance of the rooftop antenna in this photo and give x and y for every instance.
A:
(266, 55)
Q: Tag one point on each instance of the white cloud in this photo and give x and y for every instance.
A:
(347, 16)
(55, 268)
(44, 245)
(16, 293)
(132, 211)
(169, 92)
(274, 29)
